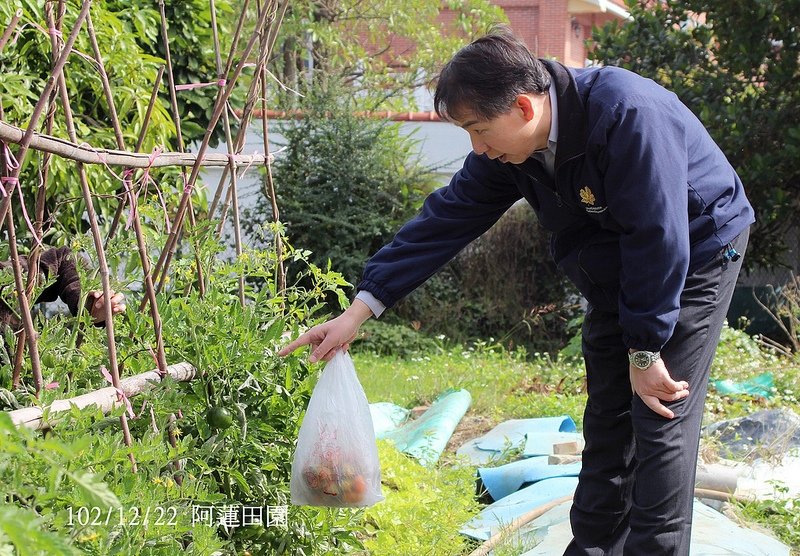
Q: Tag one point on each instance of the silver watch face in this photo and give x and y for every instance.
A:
(643, 359)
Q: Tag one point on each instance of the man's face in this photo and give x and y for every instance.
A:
(507, 138)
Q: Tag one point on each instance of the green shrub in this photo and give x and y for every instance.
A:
(344, 184)
(504, 285)
(385, 338)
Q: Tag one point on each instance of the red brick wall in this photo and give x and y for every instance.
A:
(548, 29)
(546, 26)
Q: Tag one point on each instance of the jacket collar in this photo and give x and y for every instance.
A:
(571, 113)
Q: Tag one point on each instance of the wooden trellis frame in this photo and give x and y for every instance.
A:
(270, 14)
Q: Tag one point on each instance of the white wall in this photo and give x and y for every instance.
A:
(440, 145)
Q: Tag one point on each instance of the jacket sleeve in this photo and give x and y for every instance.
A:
(60, 264)
(646, 192)
(451, 218)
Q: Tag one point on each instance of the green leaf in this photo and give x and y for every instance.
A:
(27, 532)
(94, 492)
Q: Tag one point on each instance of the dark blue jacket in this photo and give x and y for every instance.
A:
(642, 196)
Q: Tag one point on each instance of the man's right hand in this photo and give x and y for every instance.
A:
(328, 338)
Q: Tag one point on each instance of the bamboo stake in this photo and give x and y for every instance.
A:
(176, 116)
(101, 256)
(270, 186)
(25, 140)
(517, 523)
(12, 25)
(220, 105)
(24, 306)
(101, 70)
(106, 399)
(38, 224)
(226, 121)
(139, 142)
(28, 333)
(247, 111)
(87, 154)
(246, 115)
(221, 75)
(161, 359)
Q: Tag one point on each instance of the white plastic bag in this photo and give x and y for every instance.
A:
(336, 460)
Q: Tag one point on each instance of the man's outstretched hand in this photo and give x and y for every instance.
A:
(98, 310)
(328, 338)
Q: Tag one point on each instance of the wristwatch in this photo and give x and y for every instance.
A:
(643, 359)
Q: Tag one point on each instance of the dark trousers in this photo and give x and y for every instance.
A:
(636, 486)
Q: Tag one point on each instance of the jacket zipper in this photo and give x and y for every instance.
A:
(555, 176)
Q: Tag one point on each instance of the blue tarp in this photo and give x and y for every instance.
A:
(507, 479)
(534, 437)
(713, 534)
(495, 516)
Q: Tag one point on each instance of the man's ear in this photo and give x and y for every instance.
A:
(525, 103)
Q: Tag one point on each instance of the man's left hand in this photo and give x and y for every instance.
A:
(655, 385)
(98, 310)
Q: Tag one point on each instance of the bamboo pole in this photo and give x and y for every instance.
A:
(176, 116)
(519, 522)
(106, 399)
(142, 132)
(24, 306)
(86, 154)
(101, 70)
(28, 333)
(247, 111)
(41, 194)
(52, 106)
(228, 64)
(161, 359)
(226, 121)
(220, 105)
(12, 25)
(270, 187)
(516, 524)
(101, 256)
(25, 139)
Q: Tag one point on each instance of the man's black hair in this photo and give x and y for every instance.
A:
(486, 76)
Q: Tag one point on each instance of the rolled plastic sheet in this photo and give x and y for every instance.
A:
(506, 479)
(534, 437)
(386, 417)
(426, 437)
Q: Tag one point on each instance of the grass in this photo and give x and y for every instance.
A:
(504, 385)
(426, 507)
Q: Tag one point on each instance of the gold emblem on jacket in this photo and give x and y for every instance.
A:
(587, 197)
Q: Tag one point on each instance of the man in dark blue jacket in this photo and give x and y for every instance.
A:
(648, 219)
